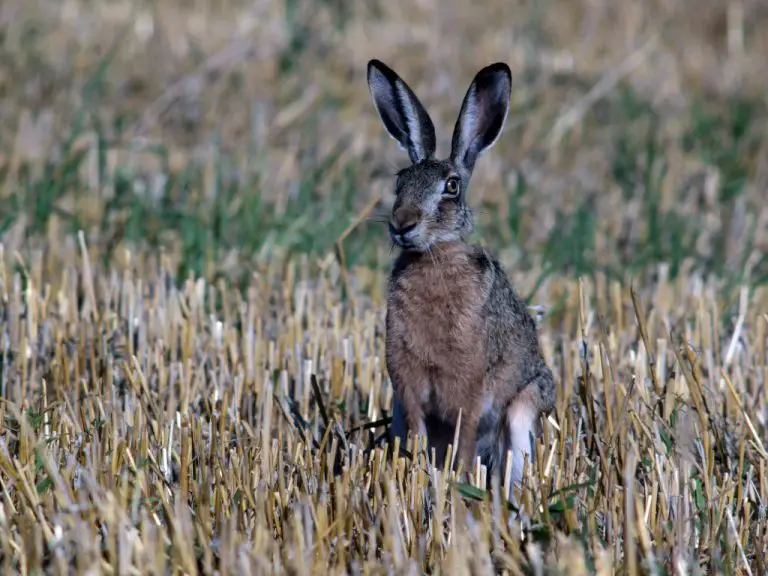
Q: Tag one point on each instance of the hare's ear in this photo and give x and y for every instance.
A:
(403, 116)
(482, 115)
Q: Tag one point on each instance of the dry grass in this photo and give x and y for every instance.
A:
(177, 404)
(145, 430)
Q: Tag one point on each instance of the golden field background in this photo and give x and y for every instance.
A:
(193, 275)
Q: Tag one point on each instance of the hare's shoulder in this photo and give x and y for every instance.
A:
(511, 329)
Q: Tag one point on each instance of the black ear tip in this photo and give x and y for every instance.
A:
(378, 66)
(496, 69)
(502, 67)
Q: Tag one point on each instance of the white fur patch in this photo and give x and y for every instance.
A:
(521, 417)
(469, 127)
(411, 119)
(469, 118)
(380, 89)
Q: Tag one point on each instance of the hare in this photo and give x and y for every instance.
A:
(457, 334)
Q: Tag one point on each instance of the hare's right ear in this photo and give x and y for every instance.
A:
(403, 116)
(482, 115)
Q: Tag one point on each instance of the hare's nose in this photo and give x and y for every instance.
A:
(404, 221)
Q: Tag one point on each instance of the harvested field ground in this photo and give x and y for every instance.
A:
(193, 266)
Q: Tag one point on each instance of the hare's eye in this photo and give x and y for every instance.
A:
(451, 187)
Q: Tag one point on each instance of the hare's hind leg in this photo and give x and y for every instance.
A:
(491, 437)
(521, 421)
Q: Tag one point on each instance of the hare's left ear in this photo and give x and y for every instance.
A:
(402, 113)
(482, 115)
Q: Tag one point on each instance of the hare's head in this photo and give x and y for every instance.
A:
(431, 204)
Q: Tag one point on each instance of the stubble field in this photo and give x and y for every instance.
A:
(193, 268)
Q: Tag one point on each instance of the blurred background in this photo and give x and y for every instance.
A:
(225, 132)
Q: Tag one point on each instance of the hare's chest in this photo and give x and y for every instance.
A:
(437, 314)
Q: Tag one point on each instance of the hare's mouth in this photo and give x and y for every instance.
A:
(410, 238)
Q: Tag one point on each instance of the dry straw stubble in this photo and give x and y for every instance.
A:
(153, 423)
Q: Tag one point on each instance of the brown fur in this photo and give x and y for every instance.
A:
(458, 337)
(436, 337)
